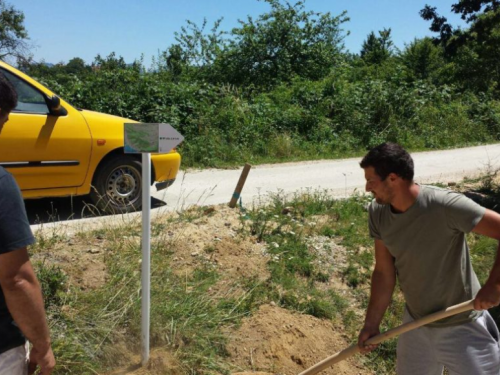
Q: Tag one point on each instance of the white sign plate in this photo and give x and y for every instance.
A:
(168, 138)
(150, 138)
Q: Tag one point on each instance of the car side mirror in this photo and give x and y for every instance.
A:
(54, 104)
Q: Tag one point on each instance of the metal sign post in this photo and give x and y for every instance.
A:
(144, 139)
(146, 255)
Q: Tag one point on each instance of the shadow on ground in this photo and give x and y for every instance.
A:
(49, 210)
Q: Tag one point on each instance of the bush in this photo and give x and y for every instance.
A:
(355, 107)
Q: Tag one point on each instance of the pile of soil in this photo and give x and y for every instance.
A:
(279, 341)
(271, 341)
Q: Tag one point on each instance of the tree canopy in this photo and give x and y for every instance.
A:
(286, 42)
(475, 51)
(376, 50)
(13, 35)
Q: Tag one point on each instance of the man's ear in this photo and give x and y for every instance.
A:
(392, 177)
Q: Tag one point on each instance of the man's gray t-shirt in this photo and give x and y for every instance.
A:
(430, 253)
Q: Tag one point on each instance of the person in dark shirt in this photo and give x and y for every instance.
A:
(22, 314)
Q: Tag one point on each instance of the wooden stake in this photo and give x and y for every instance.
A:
(239, 186)
(346, 353)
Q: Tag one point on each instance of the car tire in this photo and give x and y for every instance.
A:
(117, 185)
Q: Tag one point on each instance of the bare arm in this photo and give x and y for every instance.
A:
(489, 295)
(382, 287)
(24, 301)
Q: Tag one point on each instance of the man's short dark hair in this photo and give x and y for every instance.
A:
(389, 158)
(8, 95)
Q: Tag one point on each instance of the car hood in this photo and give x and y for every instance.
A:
(103, 125)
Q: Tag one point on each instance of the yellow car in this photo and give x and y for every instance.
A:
(53, 150)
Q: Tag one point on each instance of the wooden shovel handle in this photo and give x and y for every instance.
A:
(346, 353)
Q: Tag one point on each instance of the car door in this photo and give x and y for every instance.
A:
(41, 150)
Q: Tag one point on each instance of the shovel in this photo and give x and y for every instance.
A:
(346, 353)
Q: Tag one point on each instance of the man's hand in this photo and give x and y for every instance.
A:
(45, 360)
(487, 297)
(364, 335)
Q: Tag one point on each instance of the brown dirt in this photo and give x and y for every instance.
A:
(221, 248)
(280, 341)
(214, 240)
(160, 362)
(273, 340)
(83, 263)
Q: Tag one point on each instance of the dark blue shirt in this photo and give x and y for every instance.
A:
(15, 233)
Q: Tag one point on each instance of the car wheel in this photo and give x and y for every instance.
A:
(117, 185)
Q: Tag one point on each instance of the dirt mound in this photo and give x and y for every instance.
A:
(272, 341)
(83, 263)
(160, 362)
(279, 341)
(214, 240)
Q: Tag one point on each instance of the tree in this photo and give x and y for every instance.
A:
(76, 66)
(474, 51)
(284, 43)
(195, 52)
(176, 60)
(470, 11)
(111, 62)
(423, 59)
(13, 35)
(199, 48)
(376, 50)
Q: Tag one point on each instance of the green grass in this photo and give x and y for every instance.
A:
(183, 316)
(306, 151)
(91, 327)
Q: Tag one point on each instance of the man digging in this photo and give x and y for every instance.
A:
(420, 239)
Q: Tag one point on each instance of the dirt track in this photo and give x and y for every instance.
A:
(342, 177)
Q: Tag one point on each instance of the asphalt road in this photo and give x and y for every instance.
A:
(340, 177)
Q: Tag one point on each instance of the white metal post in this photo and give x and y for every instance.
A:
(146, 255)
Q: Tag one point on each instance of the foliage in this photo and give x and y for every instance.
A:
(376, 50)
(281, 87)
(195, 49)
(13, 35)
(282, 44)
(52, 281)
(475, 51)
(424, 61)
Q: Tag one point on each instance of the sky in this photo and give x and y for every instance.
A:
(60, 30)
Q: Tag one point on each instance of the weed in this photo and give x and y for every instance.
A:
(52, 281)
(351, 276)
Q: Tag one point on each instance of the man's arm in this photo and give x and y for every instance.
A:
(382, 287)
(489, 295)
(24, 300)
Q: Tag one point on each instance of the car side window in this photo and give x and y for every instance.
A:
(29, 99)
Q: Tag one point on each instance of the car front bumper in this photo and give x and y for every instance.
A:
(164, 184)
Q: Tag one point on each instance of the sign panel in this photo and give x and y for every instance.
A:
(150, 138)
(168, 138)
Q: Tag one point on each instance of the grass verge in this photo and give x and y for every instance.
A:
(309, 239)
